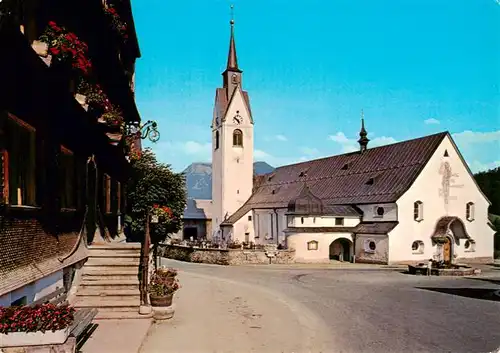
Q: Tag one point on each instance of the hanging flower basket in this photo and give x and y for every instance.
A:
(164, 214)
(65, 46)
(113, 117)
(94, 94)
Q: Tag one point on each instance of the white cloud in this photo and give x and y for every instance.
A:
(469, 137)
(477, 166)
(309, 151)
(259, 155)
(431, 121)
(278, 137)
(351, 145)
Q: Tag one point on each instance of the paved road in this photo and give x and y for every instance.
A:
(337, 311)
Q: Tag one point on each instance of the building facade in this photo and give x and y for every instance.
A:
(65, 98)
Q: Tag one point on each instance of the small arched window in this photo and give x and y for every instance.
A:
(217, 139)
(418, 211)
(238, 138)
(469, 211)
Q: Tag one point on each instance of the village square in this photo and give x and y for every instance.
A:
(383, 245)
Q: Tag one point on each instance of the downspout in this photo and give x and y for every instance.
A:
(277, 227)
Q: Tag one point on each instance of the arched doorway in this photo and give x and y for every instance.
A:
(448, 232)
(341, 250)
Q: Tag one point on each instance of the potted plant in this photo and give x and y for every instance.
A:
(39, 325)
(162, 286)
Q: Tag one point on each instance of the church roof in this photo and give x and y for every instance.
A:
(378, 175)
(222, 102)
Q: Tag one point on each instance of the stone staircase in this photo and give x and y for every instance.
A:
(110, 281)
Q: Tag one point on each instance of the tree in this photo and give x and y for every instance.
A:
(152, 183)
(489, 182)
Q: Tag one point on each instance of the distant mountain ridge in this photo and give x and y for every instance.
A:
(199, 178)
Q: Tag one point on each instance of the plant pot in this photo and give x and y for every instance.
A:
(20, 339)
(161, 301)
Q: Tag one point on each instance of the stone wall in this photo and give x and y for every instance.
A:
(224, 256)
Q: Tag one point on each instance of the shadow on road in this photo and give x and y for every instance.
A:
(476, 293)
(490, 280)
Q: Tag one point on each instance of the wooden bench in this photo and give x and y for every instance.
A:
(82, 326)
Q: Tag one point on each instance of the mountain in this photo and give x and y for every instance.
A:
(199, 178)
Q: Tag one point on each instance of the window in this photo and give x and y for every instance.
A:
(378, 212)
(470, 245)
(417, 247)
(19, 163)
(302, 220)
(20, 302)
(249, 218)
(339, 221)
(67, 184)
(312, 245)
(446, 153)
(469, 211)
(314, 220)
(107, 193)
(370, 246)
(216, 139)
(418, 211)
(238, 138)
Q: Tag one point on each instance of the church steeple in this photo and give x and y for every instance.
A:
(232, 74)
(363, 139)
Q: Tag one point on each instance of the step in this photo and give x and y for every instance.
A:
(104, 270)
(106, 277)
(112, 298)
(113, 261)
(115, 315)
(123, 304)
(98, 284)
(110, 254)
(116, 246)
(107, 292)
(114, 253)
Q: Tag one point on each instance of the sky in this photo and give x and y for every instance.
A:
(415, 67)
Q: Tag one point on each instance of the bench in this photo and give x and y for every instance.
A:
(82, 326)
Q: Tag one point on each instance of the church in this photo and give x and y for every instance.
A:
(401, 203)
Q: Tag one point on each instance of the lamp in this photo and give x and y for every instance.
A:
(147, 130)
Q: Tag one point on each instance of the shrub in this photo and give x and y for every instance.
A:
(45, 317)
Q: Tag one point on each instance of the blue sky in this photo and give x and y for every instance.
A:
(415, 67)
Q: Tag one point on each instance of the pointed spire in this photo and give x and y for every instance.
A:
(232, 59)
(363, 139)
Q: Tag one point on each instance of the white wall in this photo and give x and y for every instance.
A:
(428, 189)
(35, 290)
(363, 252)
(370, 215)
(299, 241)
(270, 225)
(243, 229)
(323, 221)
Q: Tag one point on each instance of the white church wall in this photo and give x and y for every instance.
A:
(313, 247)
(243, 229)
(390, 212)
(321, 221)
(428, 188)
(270, 226)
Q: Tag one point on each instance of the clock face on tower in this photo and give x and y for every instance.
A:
(237, 119)
(235, 79)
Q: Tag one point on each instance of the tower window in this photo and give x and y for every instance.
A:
(469, 211)
(216, 139)
(418, 211)
(238, 138)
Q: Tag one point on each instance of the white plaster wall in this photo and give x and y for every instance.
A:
(232, 167)
(369, 214)
(379, 255)
(323, 221)
(243, 229)
(35, 290)
(428, 189)
(298, 242)
(270, 225)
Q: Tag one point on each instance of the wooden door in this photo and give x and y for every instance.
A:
(447, 251)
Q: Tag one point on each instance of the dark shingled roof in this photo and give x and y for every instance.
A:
(456, 225)
(378, 175)
(375, 227)
(222, 102)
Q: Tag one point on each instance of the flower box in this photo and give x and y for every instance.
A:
(21, 339)
(40, 48)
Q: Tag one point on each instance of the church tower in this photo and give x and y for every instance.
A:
(232, 143)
